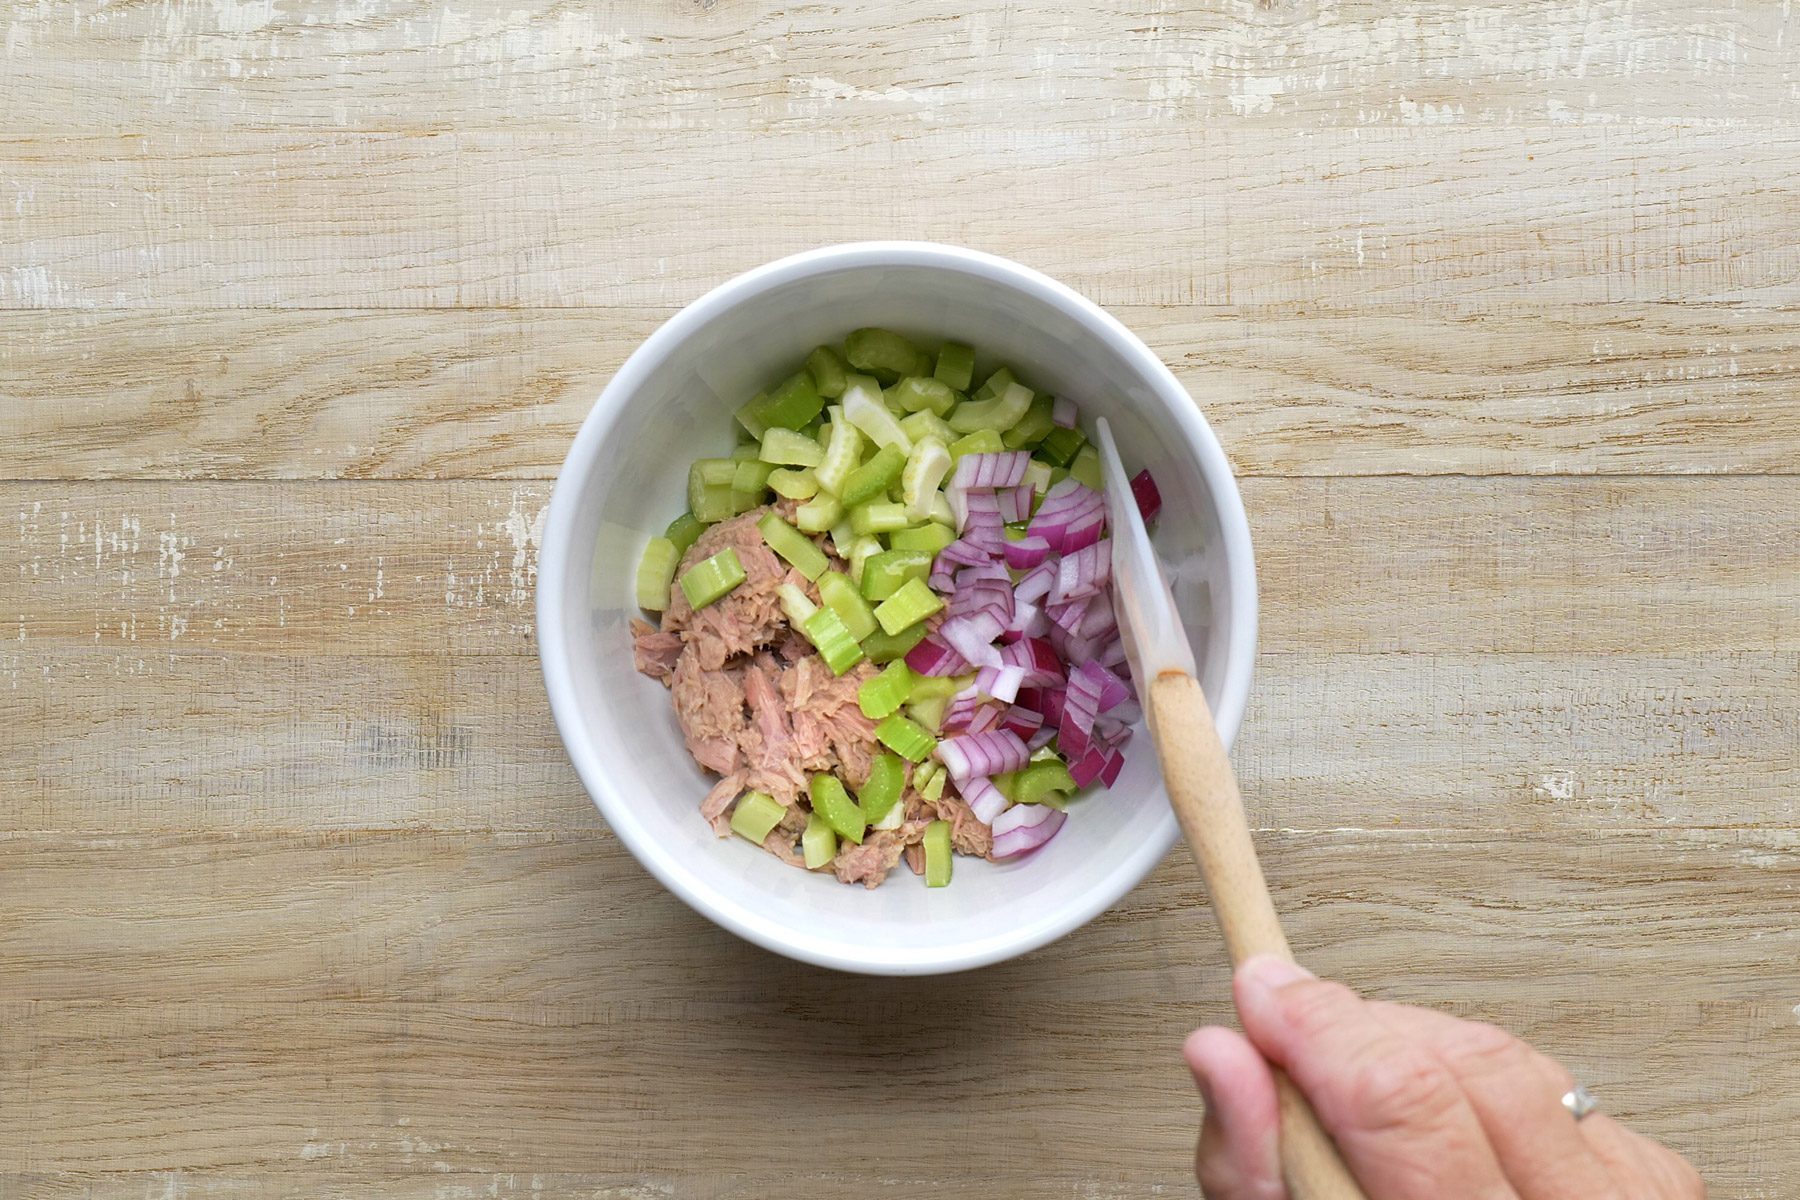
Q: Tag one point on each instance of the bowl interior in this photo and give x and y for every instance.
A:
(679, 394)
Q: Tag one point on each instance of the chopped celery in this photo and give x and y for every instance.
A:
(756, 815)
(1056, 800)
(1002, 412)
(834, 805)
(794, 402)
(826, 632)
(937, 687)
(863, 408)
(840, 455)
(822, 433)
(711, 578)
(1084, 468)
(795, 605)
(940, 510)
(1016, 531)
(709, 472)
(1060, 444)
(743, 502)
(937, 854)
(1037, 474)
(841, 597)
(881, 790)
(818, 842)
(932, 788)
(911, 603)
(827, 371)
(884, 354)
(1005, 783)
(874, 477)
(818, 514)
(921, 425)
(656, 572)
(891, 402)
(843, 536)
(924, 771)
(930, 538)
(1039, 778)
(713, 503)
(879, 516)
(794, 485)
(955, 365)
(929, 712)
(982, 441)
(744, 452)
(785, 447)
(905, 738)
(684, 531)
(882, 695)
(996, 383)
(1031, 428)
(861, 551)
(749, 415)
(883, 574)
(882, 647)
(799, 550)
(752, 477)
(917, 394)
(925, 471)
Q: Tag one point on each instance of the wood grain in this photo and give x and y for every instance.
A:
(460, 393)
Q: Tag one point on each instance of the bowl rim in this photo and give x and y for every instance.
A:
(686, 881)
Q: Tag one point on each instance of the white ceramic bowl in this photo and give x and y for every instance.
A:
(624, 481)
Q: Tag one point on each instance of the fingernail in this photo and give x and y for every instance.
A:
(1266, 972)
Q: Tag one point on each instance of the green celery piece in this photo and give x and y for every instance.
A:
(874, 477)
(884, 572)
(710, 472)
(861, 551)
(1037, 475)
(925, 469)
(1031, 427)
(841, 454)
(756, 815)
(884, 354)
(1039, 778)
(864, 407)
(818, 514)
(843, 536)
(794, 484)
(1057, 475)
(795, 605)
(881, 695)
(1085, 468)
(929, 712)
(934, 787)
(891, 402)
(906, 738)
(938, 687)
(941, 512)
(982, 441)
(752, 477)
(789, 448)
(881, 790)
(800, 551)
(1005, 782)
(748, 415)
(917, 394)
(835, 807)
(878, 516)
(930, 537)
(743, 452)
(937, 854)
(818, 842)
(793, 403)
(921, 425)
(715, 503)
(825, 630)
(711, 578)
(656, 573)
(884, 647)
(955, 365)
(827, 371)
(911, 603)
(684, 531)
(743, 502)
(841, 597)
(996, 383)
(1060, 444)
(1002, 412)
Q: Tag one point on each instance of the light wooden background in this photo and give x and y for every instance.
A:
(1496, 308)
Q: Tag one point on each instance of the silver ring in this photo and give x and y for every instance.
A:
(1579, 1102)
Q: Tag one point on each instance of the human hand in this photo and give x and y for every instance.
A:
(1423, 1106)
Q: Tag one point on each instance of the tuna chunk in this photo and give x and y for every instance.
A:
(768, 741)
(746, 617)
(968, 835)
(828, 725)
(869, 863)
(716, 807)
(710, 706)
(653, 651)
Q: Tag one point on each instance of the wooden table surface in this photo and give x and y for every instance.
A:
(1496, 309)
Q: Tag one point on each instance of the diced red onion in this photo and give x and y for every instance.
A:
(1015, 503)
(1034, 585)
(1096, 762)
(983, 798)
(1097, 619)
(1147, 494)
(1082, 573)
(1083, 532)
(992, 752)
(1108, 690)
(986, 717)
(1003, 470)
(1000, 683)
(1025, 827)
(959, 714)
(972, 636)
(1062, 411)
(1038, 661)
(990, 571)
(1113, 655)
(1067, 615)
(1024, 722)
(1026, 552)
(933, 656)
(1044, 735)
(1071, 516)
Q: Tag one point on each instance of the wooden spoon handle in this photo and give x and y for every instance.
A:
(1204, 793)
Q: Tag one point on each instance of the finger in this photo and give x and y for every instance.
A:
(1650, 1169)
(1404, 1126)
(1517, 1096)
(1237, 1158)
